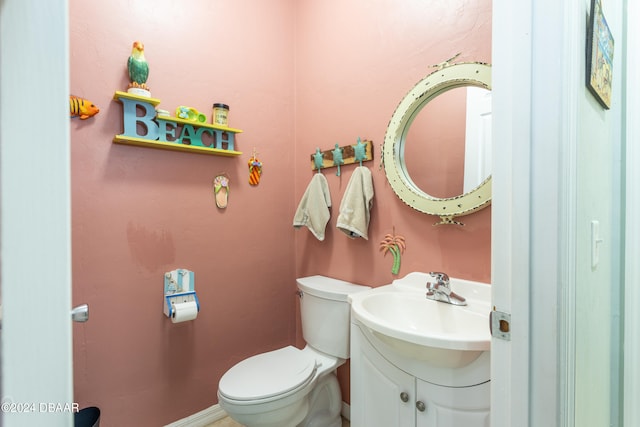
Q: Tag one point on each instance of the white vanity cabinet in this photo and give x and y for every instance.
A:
(453, 406)
(381, 394)
(390, 390)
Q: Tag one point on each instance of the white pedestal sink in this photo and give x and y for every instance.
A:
(443, 334)
(420, 353)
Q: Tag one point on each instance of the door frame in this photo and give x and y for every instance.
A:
(35, 223)
(631, 410)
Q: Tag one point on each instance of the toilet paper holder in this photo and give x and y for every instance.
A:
(179, 288)
(171, 300)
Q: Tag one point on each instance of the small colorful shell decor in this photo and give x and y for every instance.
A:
(190, 113)
(396, 245)
(255, 169)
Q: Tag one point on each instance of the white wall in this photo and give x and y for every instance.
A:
(599, 191)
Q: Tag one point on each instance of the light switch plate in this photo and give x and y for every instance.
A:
(595, 243)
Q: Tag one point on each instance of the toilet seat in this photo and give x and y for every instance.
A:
(268, 376)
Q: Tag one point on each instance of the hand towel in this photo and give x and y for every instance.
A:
(313, 210)
(355, 207)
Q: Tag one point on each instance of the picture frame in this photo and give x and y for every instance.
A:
(600, 49)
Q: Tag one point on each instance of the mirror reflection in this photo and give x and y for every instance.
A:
(447, 149)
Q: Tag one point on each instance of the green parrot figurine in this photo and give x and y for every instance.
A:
(138, 67)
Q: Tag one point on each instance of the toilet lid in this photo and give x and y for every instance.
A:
(268, 374)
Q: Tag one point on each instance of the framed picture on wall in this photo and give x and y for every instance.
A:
(599, 56)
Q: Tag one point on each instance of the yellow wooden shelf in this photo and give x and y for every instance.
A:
(127, 95)
(222, 135)
(141, 142)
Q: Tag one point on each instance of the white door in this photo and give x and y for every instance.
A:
(511, 112)
(532, 127)
(35, 236)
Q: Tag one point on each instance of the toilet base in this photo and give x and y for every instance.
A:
(325, 404)
(321, 407)
(289, 416)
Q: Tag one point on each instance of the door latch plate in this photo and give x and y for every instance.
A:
(500, 325)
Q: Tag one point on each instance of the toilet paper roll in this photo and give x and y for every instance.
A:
(184, 311)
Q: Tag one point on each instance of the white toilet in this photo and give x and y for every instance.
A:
(289, 387)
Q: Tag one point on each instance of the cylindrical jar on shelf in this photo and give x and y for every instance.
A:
(220, 114)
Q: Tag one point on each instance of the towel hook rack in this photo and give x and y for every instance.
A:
(347, 155)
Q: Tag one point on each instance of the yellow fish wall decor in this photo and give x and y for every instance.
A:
(83, 108)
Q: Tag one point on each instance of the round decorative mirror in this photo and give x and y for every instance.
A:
(437, 149)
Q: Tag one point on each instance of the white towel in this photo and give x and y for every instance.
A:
(356, 203)
(313, 210)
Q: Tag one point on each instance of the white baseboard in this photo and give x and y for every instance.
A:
(346, 411)
(202, 418)
(215, 413)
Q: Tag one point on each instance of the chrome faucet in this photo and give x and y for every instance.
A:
(440, 290)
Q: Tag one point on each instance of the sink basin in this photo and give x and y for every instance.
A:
(403, 318)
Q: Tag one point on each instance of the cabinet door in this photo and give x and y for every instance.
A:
(381, 394)
(453, 407)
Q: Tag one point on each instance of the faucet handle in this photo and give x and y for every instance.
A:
(441, 277)
(440, 289)
(431, 288)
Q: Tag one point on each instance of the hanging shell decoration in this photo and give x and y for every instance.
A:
(396, 245)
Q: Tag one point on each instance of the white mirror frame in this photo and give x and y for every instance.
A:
(445, 78)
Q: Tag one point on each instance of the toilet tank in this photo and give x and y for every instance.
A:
(326, 312)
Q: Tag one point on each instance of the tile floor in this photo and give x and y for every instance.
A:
(228, 422)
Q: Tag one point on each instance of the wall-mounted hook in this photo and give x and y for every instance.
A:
(317, 159)
(337, 158)
(360, 151)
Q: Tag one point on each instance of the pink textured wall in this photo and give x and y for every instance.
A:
(139, 212)
(355, 61)
(297, 75)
